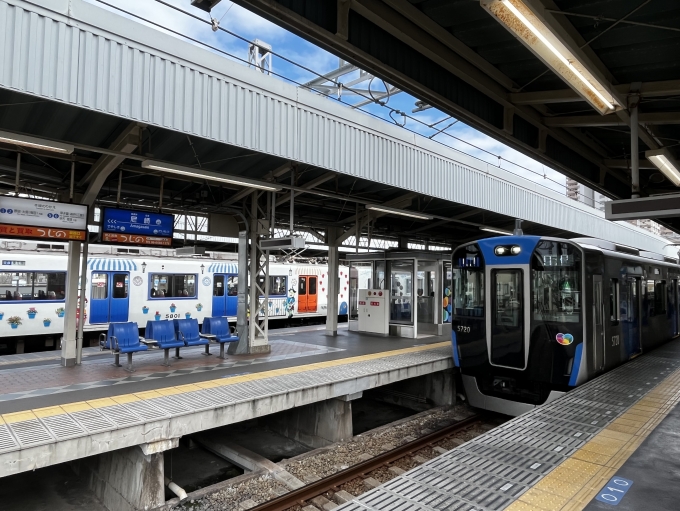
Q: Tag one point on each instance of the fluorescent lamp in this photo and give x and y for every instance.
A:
(495, 231)
(664, 161)
(210, 176)
(402, 212)
(35, 143)
(537, 36)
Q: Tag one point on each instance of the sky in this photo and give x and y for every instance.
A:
(291, 48)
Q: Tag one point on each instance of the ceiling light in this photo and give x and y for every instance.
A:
(495, 231)
(537, 36)
(402, 212)
(35, 143)
(664, 161)
(210, 176)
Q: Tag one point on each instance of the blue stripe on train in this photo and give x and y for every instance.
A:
(576, 366)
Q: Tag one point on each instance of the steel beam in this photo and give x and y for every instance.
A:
(647, 90)
(571, 121)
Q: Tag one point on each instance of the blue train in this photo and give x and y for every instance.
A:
(533, 317)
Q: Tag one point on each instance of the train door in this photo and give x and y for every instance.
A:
(630, 315)
(307, 294)
(225, 295)
(598, 324)
(109, 297)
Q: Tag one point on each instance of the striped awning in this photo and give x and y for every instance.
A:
(223, 268)
(310, 270)
(96, 263)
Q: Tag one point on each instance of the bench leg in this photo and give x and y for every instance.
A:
(116, 360)
(166, 357)
(129, 364)
(221, 351)
(207, 350)
(177, 354)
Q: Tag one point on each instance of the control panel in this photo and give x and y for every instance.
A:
(374, 312)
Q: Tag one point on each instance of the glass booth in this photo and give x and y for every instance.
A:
(418, 285)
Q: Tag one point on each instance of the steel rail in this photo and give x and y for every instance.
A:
(309, 491)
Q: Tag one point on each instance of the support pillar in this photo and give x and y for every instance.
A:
(68, 341)
(241, 347)
(333, 281)
(129, 479)
(316, 425)
(634, 151)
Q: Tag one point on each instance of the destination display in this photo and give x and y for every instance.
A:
(41, 219)
(137, 227)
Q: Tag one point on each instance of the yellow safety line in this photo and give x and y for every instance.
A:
(576, 481)
(221, 382)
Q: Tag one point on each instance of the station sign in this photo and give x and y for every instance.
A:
(132, 227)
(42, 219)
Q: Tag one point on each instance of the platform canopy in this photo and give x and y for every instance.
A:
(478, 61)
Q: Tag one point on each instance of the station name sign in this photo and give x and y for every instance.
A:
(132, 227)
(42, 219)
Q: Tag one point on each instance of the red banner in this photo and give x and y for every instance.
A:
(42, 233)
(136, 239)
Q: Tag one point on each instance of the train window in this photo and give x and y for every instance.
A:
(507, 318)
(100, 286)
(232, 286)
(468, 282)
(556, 282)
(172, 285)
(218, 285)
(656, 297)
(32, 286)
(120, 285)
(614, 306)
(277, 285)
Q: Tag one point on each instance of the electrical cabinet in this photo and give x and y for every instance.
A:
(374, 315)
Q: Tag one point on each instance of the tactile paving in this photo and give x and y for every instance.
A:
(128, 412)
(491, 471)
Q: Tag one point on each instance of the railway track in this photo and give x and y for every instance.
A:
(332, 482)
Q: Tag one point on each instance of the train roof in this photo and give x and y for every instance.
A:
(614, 248)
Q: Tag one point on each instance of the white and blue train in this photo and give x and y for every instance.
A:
(139, 284)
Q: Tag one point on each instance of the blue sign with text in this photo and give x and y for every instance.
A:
(614, 490)
(127, 221)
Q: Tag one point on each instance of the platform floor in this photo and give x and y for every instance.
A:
(611, 442)
(42, 382)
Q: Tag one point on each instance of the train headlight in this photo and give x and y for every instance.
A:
(507, 250)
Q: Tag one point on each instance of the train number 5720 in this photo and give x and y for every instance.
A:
(463, 329)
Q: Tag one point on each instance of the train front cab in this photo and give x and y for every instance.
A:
(518, 326)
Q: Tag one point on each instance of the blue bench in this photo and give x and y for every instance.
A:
(187, 332)
(163, 334)
(123, 338)
(218, 329)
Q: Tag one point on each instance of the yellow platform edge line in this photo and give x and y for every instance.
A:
(573, 484)
(207, 384)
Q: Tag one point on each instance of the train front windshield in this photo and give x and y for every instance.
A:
(556, 282)
(468, 282)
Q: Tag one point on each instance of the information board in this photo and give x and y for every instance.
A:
(137, 227)
(42, 219)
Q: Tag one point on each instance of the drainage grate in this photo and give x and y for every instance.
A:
(92, 420)
(62, 426)
(7, 441)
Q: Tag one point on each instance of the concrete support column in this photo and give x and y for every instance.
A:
(333, 281)
(316, 425)
(127, 479)
(68, 342)
(241, 347)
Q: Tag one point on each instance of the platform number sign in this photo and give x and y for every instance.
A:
(614, 490)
